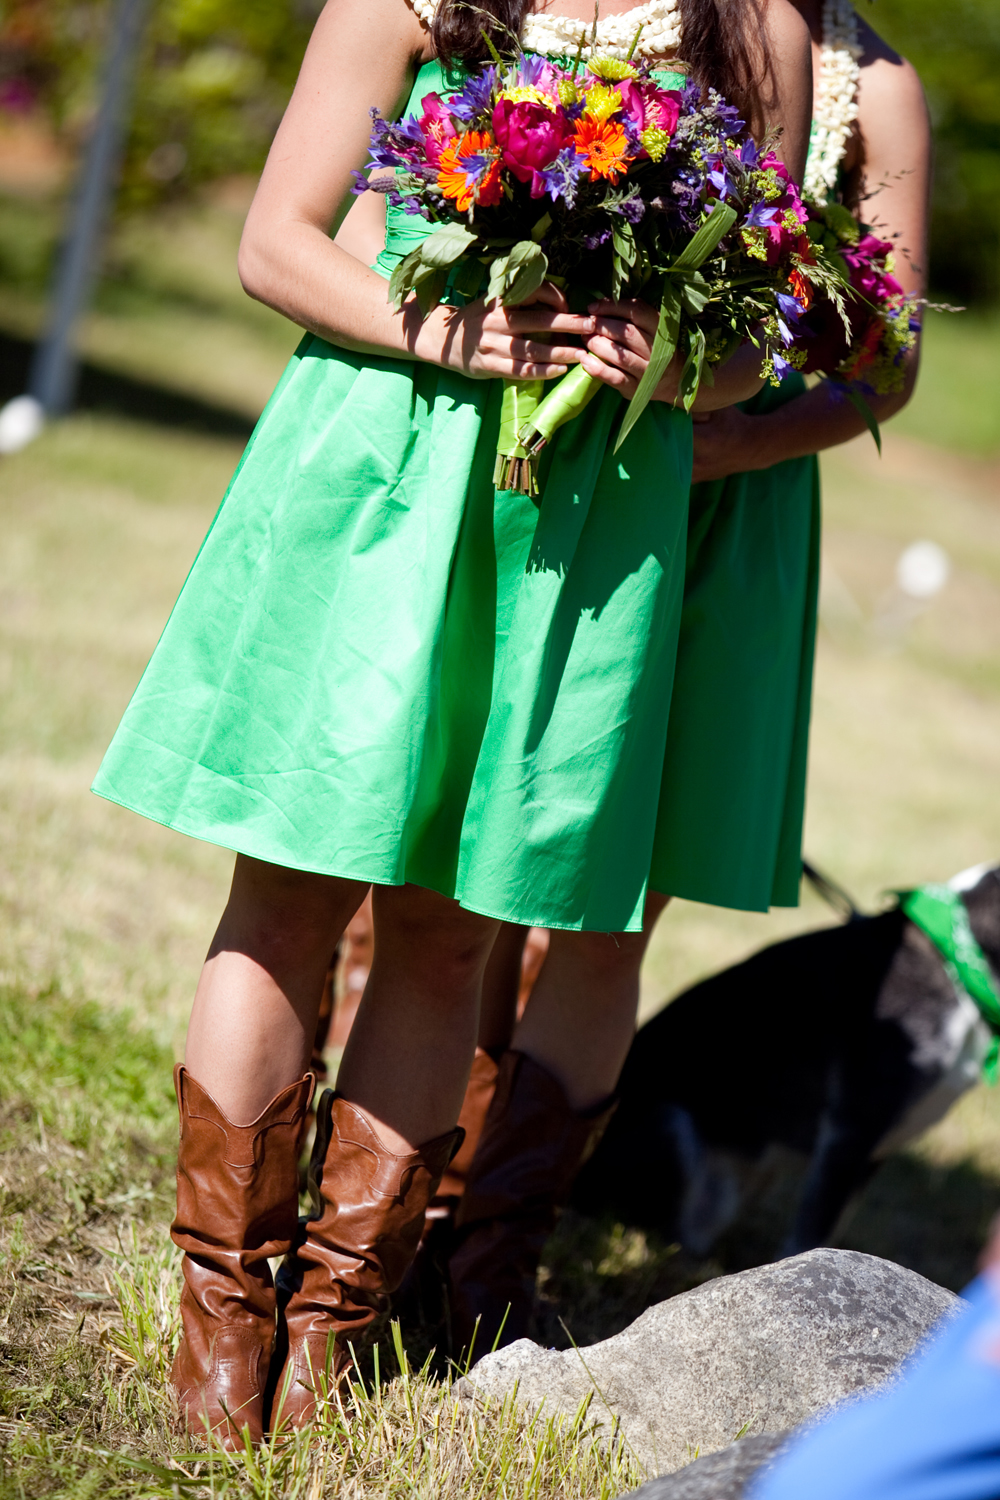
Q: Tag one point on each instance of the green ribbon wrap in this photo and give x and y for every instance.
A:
(941, 915)
(514, 470)
(528, 420)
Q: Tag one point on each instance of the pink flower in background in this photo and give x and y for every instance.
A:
(530, 137)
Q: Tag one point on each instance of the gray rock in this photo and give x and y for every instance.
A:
(717, 1476)
(758, 1352)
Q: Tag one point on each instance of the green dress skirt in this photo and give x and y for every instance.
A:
(382, 669)
(734, 773)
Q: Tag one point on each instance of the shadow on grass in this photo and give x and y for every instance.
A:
(933, 1219)
(107, 390)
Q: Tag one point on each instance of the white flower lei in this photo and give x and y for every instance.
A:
(559, 36)
(836, 104)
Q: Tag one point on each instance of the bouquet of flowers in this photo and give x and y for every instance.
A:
(599, 180)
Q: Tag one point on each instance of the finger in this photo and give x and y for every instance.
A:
(554, 296)
(624, 333)
(635, 310)
(616, 354)
(534, 349)
(610, 374)
(541, 319)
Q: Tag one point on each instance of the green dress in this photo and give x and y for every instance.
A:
(734, 772)
(382, 669)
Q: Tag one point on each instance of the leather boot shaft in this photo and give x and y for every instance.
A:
(531, 1148)
(237, 1206)
(475, 1107)
(354, 1249)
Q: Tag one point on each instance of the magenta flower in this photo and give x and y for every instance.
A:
(648, 105)
(530, 137)
(437, 125)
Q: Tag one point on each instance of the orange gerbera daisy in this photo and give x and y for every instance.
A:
(801, 288)
(469, 171)
(603, 145)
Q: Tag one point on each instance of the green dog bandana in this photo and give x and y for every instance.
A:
(941, 914)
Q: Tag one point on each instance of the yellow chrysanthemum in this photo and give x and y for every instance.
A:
(611, 69)
(568, 92)
(527, 93)
(655, 141)
(602, 102)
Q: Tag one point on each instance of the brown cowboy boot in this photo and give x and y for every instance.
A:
(532, 1146)
(354, 1249)
(237, 1206)
(422, 1304)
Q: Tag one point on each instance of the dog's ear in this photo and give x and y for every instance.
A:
(983, 903)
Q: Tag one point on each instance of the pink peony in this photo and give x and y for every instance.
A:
(438, 126)
(530, 137)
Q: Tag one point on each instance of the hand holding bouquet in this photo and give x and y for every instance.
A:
(601, 181)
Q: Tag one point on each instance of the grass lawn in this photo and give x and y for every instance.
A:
(104, 918)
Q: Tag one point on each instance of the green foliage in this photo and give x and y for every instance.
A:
(956, 49)
(214, 78)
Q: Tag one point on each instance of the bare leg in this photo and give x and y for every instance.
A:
(408, 1056)
(254, 1017)
(501, 982)
(580, 1020)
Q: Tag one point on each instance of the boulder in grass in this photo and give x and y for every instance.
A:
(725, 1475)
(758, 1352)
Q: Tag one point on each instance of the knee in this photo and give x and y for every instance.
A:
(283, 917)
(443, 948)
(606, 956)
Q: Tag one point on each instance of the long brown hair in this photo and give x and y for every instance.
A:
(723, 39)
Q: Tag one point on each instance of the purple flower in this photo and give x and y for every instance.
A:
(761, 216)
(595, 241)
(562, 177)
(476, 97)
(791, 307)
(781, 366)
(631, 209)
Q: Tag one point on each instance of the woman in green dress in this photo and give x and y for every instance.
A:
(735, 761)
(381, 672)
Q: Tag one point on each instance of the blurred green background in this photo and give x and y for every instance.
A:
(216, 73)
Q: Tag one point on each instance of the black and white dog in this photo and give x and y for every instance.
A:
(841, 1044)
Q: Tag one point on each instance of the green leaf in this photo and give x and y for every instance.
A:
(429, 286)
(695, 294)
(871, 422)
(444, 246)
(719, 222)
(498, 277)
(668, 330)
(526, 268)
(403, 277)
(692, 372)
(468, 279)
(623, 240)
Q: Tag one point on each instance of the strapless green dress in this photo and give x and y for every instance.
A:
(381, 668)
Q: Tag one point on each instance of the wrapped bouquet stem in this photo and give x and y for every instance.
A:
(533, 410)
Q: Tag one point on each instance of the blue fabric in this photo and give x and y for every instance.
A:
(934, 1436)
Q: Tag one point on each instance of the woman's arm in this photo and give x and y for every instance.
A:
(364, 53)
(895, 171)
